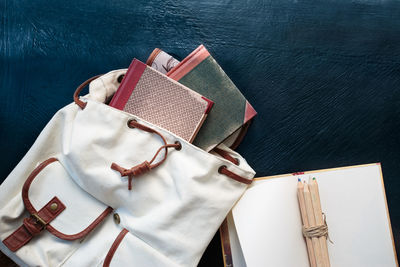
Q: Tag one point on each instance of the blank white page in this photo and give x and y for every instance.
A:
(268, 222)
(236, 250)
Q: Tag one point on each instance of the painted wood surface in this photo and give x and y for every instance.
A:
(324, 76)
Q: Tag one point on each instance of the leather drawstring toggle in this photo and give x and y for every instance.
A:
(134, 171)
(146, 165)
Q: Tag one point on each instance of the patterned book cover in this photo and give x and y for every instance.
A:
(156, 98)
(161, 61)
(200, 72)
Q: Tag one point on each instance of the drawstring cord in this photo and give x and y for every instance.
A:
(142, 167)
(146, 166)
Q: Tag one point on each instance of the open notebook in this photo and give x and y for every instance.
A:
(264, 227)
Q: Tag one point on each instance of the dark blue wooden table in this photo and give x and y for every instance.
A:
(324, 76)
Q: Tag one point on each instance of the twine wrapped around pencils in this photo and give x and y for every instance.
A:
(317, 231)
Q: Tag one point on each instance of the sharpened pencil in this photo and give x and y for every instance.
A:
(316, 202)
(311, 220)
(303, 212)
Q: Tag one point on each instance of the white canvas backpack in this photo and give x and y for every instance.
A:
(100, 187)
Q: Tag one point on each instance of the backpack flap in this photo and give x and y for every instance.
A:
(56, 205)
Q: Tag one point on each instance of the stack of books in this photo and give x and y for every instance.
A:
(193, 99)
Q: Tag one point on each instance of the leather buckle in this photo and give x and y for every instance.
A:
(39, 220)
(34, 224)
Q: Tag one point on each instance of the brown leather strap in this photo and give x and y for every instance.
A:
(224, 170)
(82, 233)
(78, 90)
(52, 230)
(28, 182)
(226, 155)
(40, 220)
(33, 225)
(114, 247)
(145, 166)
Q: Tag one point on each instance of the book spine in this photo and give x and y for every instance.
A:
(189, 63)
(128, 84)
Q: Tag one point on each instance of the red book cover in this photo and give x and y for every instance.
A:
(156, 98)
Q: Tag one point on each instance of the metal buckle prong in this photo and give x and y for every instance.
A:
(39, 220)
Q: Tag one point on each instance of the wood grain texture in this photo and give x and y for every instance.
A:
(324, 76)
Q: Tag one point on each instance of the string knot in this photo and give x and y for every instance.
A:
(140, 168)
(134, 171)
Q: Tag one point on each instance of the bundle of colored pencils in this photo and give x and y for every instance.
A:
(314, 226)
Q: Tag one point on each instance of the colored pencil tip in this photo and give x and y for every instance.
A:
(298, 179)
(313, 178)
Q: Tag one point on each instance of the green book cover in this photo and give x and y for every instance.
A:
(201, 73)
